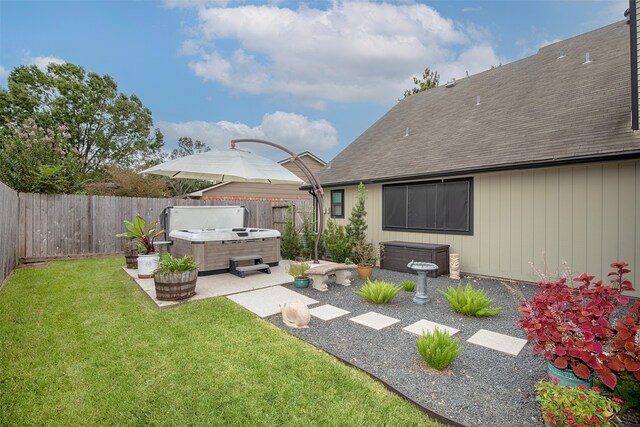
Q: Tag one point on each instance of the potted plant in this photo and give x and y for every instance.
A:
(131, 254)
(365, 257)
(565, 406)
(572, 327)
(144, 234)
(175, 278)
(298, 270)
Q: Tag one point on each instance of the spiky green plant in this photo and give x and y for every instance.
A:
(437, 349)
(470, 302)
(408, 286)
(170, 264)
(378, 292)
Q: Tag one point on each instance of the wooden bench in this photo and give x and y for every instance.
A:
(323, 274)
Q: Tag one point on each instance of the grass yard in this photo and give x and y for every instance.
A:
(81, 344)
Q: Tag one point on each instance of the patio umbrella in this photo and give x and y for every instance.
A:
(230, 165)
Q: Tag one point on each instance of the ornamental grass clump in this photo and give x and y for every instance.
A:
(437, 349)
(574, 406)
(470, 302)
(408, 286)
(378, 292)
(170, 264)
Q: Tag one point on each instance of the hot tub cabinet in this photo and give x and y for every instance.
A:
(212, 249)
(396, 256)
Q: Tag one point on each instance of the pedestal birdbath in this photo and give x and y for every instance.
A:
(422, 268)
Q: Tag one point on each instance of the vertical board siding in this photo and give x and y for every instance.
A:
(71, 225)
(9, 231)
(580, 218)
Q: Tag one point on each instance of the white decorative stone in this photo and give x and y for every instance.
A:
(422, 326)
(500, 342)
(266, 302)
(327, 312)
(374, 320)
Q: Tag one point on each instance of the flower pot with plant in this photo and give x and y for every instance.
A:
(131, 254)
(145, 234)
(175, 278)
(572, 327)
(298, 270)
(365, 257)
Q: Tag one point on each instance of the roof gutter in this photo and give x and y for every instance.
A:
(484, 169)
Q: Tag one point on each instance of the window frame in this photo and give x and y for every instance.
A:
(341, 192)
(407, 229)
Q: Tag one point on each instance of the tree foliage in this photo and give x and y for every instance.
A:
(337, 241)
(357, 227)
(105, 127)
(290, 246)
(129, 183)
(430, 79)
(309, 236)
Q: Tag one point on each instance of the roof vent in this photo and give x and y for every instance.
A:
(587, 58)
(478, 100)
(562, 55)
(452, 83)
(406, 133)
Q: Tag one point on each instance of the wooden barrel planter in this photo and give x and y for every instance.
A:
(172, 286)
(131, 258)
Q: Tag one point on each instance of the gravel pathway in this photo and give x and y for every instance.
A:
(482, 387)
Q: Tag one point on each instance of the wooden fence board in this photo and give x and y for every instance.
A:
(9, 231)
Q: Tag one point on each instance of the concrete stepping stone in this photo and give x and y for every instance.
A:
(328, 312)
(428, 326)
(374, 320)
(500, 342)
(266, 302)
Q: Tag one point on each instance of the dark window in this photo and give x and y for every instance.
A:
(337, 203)
(441, 207)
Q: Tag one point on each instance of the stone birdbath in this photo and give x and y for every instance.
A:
(422, 268)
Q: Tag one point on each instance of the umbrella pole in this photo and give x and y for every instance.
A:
(316, 188)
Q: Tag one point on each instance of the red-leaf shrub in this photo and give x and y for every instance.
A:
(571, 326)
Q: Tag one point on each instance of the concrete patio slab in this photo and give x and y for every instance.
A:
(266, 302)
(220, 284)
(328, 312)
(500, 342)
(374, 320)
(427, 326)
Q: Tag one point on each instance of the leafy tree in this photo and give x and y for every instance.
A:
(105, 127)
(430, 79)
(187, 147)
(129, 183)
(357, 227)
(38, 160)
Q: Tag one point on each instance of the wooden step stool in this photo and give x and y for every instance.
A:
(240, 270)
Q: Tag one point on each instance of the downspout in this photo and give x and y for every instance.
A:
(632, 14)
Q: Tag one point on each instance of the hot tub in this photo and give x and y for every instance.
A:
(212, 248)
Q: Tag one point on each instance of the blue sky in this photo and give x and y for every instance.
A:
(311, 75)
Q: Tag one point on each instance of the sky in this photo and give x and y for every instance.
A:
(309, 75)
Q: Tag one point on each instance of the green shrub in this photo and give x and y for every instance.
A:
(408, 286)
(437, 349)
(337, 242)
(470, 302)
(628, 389)
(290, 246)
(356, 228)
(169, 264)
(378, 292)
(298, 270)
(309, 238)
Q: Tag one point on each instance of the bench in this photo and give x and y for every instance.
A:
(324, 273)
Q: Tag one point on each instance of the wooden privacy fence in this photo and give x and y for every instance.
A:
(8, 231)
(53, 226)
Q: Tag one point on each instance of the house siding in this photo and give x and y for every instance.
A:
(586, 215)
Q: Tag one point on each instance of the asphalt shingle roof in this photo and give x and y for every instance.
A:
(539, 110)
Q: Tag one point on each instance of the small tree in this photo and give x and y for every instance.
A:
(430, 79)
(337, 241)
(290, 247)
(357, 227)
(309, 238)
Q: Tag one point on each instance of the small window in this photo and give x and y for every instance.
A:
(337, 203)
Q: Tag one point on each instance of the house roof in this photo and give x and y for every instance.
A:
(541, 110)
(305, 154)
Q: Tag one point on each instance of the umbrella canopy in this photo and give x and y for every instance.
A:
(230, 165)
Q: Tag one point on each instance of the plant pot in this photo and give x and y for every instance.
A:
(301, 283)
(364, 271)
(147, 264)
(567, 377)
(177, 285)
(131, 258)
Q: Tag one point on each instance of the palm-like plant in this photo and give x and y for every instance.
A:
(145, 233)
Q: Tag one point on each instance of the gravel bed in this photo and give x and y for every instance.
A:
(482, 387)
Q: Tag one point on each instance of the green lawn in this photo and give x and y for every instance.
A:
(80, 344)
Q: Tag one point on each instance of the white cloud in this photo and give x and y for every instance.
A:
(352, 51)
(42, 61)
(3, 72)
(293, 131)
